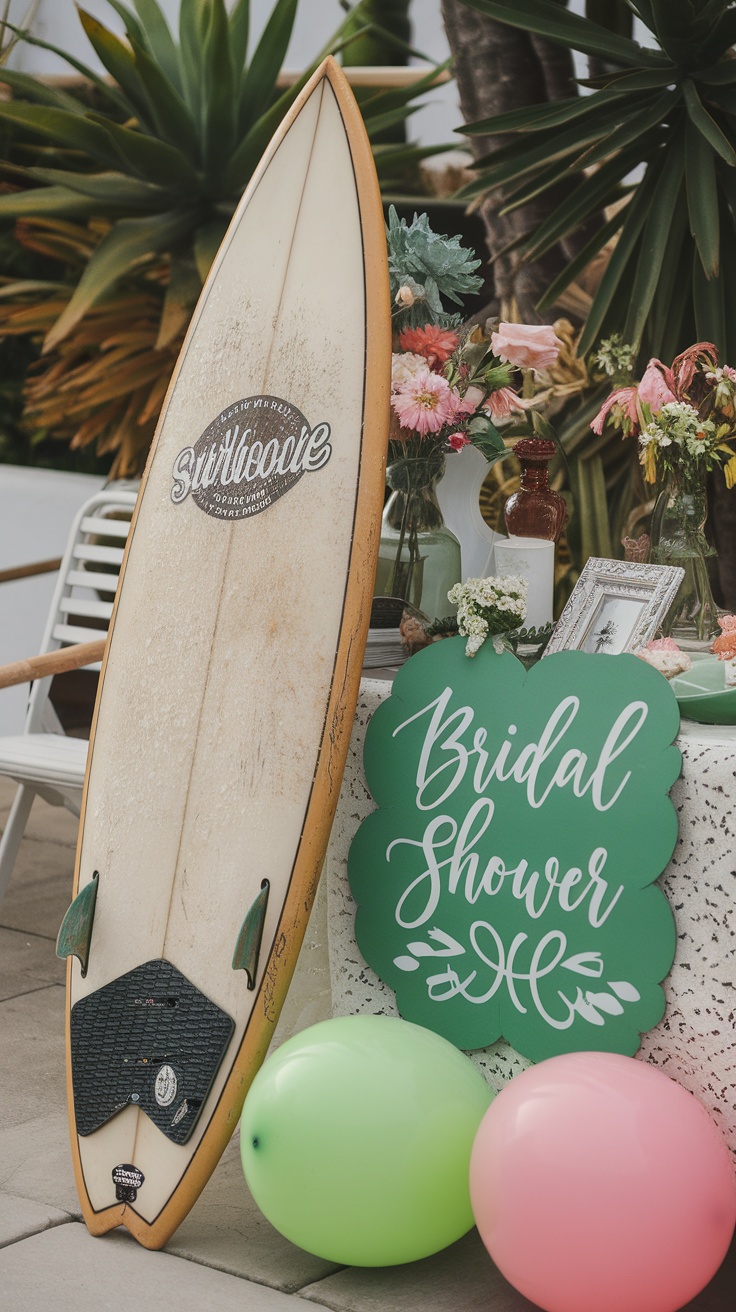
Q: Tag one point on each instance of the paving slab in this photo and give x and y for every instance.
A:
(462, 1278)
(46, 823)
(69, 1271)
(19, 1218)
(226, 1230)
(27, 963)
(36, 1163)
(33, 1059)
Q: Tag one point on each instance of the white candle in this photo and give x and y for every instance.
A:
(532, 559)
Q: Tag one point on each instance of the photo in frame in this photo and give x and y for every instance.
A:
(616, 606)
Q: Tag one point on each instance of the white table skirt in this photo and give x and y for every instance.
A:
(696, 1041)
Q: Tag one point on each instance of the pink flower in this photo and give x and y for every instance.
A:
(502, 403)
(661, 644)
(526, 345)
(458, 441)
(626, 398)
(653, 388)
(435, 344)
(472, 398)
(425, 403)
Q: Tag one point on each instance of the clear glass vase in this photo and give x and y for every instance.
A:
(419, 558)
(678, 521)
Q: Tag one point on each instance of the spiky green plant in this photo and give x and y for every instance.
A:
(669, 107)
(135, 197)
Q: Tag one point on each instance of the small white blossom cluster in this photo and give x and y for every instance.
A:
(487, 606)
(616, 358)
(679, 424)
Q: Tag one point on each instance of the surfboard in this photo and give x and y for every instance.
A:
(231, 674)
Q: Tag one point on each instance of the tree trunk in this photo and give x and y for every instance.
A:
(499, 68)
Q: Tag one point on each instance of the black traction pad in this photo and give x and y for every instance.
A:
(148, 1039)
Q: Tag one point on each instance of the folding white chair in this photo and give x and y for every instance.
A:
(43, 759)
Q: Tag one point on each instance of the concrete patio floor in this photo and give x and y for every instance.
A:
(225, 1255)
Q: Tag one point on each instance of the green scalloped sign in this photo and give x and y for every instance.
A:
(505, 885)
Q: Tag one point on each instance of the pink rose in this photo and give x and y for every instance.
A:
(458, 441)
(653, 389)
(502, 403)
(526, 345)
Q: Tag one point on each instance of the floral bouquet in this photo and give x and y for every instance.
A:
(451, 386)
(488, 606)
(683, 416)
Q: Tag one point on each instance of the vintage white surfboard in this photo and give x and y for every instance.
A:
(228, 690)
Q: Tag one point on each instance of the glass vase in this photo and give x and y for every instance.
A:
(419, 558)
(678, 521)
(536, 510)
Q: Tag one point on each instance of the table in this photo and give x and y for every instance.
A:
(696, 1041)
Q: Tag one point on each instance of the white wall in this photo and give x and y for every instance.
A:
(58, 23)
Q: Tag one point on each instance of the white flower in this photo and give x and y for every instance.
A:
(485, 606)
(405, 365)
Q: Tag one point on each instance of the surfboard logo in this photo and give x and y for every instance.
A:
(166, 1086)
(127, 1180)
(252, 454)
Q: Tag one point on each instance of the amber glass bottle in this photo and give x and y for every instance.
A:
(535, 511)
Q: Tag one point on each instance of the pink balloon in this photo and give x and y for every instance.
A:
(598, 1184)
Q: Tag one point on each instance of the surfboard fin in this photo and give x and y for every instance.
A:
(248, 946)
(75, 934)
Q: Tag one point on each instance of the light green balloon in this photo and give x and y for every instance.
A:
(356, 1138)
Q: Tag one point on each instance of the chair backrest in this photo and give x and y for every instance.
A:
(83, 599)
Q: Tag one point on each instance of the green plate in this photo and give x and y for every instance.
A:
(702, 695)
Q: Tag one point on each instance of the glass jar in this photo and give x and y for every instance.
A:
(418, 558)
(678, 520)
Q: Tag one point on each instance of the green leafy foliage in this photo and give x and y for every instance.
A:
(669, 107)
(131, 185)
(434, 267)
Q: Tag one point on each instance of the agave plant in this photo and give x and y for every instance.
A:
(134, 199)
(669, 107)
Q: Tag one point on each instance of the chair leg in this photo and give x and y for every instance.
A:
(13, 834)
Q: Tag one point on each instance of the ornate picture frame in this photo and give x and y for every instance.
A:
(616, 606)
